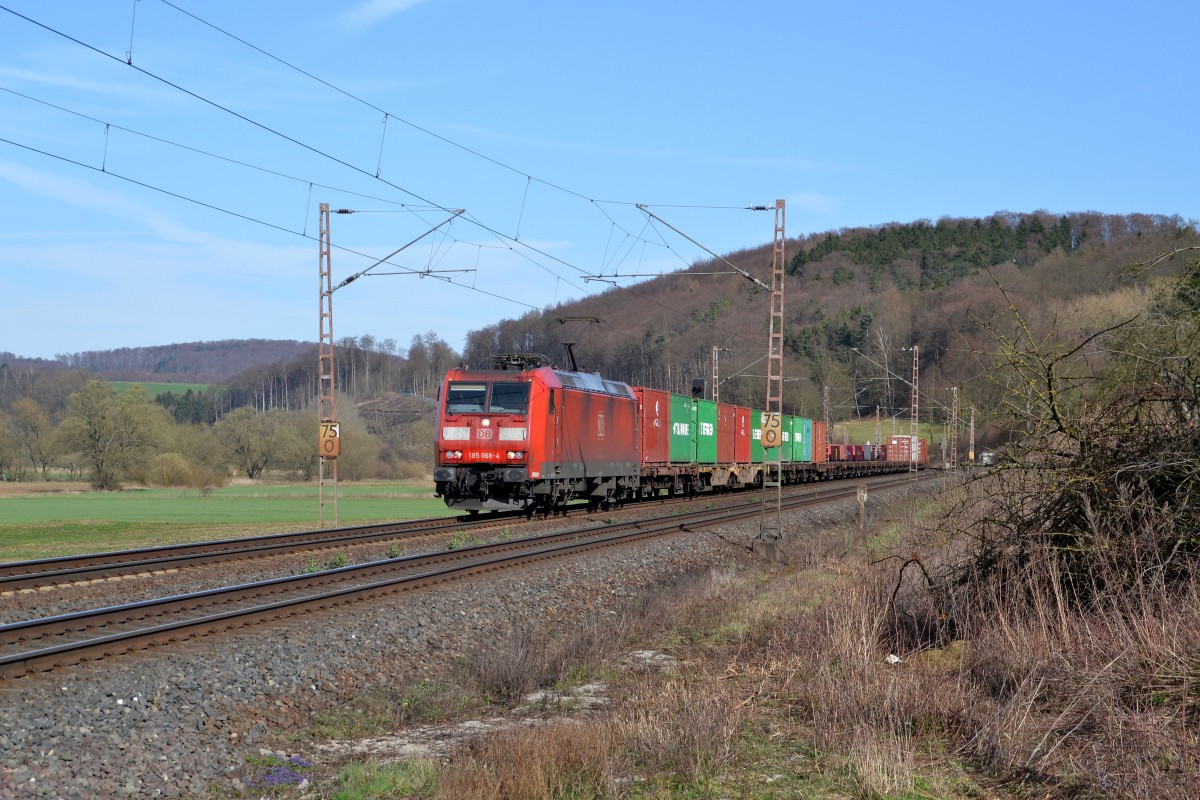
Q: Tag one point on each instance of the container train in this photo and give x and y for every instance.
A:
(528, 436)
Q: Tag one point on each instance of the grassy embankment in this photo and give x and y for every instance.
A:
(777, 687)
(782, 686)
(54, 519)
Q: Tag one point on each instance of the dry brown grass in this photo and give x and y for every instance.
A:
(662, 723)
(1102, 700)
(548, 762)
(676, 726)
(1062, 698)
(528, 658)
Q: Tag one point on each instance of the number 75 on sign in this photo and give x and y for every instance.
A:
(329, 444)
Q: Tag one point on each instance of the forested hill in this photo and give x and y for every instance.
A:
(854, 299)
(190, 362)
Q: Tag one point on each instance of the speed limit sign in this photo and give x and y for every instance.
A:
(772, 431)
(329, 442)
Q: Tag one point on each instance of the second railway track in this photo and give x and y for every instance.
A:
(95, 566)
(49, 572)
(47, 643)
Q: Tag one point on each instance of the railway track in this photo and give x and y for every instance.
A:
(51, 642)
(19, 575)
(94, 566)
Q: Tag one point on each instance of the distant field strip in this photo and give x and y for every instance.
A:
(155, 389)
(47, 525)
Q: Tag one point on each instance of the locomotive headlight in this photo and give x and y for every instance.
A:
(514, 455)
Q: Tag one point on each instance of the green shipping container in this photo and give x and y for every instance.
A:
(785, 431)
(706, 432)
(756, 448)
(683, 429)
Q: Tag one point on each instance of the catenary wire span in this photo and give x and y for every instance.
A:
(530, 178)
(403, 207)
(391, 115)
(509, 241)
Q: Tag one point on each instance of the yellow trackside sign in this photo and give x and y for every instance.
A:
(329, 444)
(772, 430)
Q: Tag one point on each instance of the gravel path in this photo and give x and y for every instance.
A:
(181, 721)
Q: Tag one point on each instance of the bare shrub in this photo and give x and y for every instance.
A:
(584, 649)
(168, 469)
(507, 670)
(206, 479)
(527, 658)
(689, 603)
(1105, 472)
(1095, 699)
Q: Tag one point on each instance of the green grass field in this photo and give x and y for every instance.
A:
(155, 389)
(58, 523)
(861, 431)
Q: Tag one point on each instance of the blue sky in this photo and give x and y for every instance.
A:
(547, 122)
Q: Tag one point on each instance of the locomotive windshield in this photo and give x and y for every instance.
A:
(465, 398)
(507, 397)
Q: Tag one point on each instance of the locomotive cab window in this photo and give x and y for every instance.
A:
(466, 398)
(509, 398)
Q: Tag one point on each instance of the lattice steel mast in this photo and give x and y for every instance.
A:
(327, 400)
(914, 447)
(954, 428)
(773, 457)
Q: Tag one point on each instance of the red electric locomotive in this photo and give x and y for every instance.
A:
(527, 436)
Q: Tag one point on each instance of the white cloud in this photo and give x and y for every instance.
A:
(116, 88)
(83, 195)
(372, 12)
